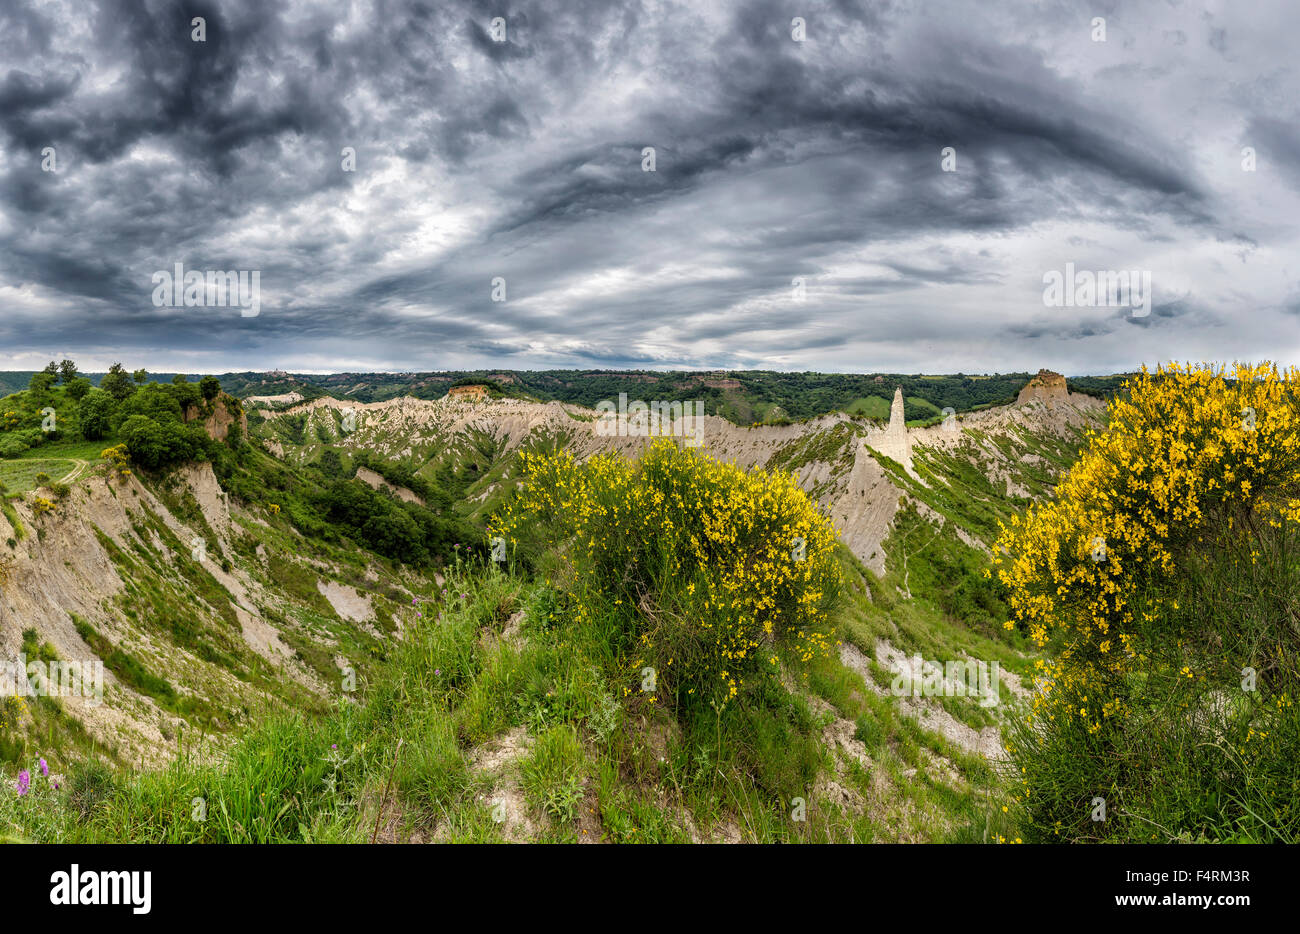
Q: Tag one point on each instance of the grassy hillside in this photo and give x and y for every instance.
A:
(667, 648)
(517, 707)
(209, 605)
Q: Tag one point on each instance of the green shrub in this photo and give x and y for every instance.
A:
(697, 572)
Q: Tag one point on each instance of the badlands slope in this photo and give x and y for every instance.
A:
(857, 469)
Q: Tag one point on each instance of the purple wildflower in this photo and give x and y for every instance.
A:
(45, 768)
(24, 779)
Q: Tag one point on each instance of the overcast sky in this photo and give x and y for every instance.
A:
(775, 160)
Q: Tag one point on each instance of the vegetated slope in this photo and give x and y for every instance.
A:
(206, 613)
(140, 530)
(501, 714)
(905, 768)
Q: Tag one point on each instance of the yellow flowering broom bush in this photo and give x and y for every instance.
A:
(696, 570)
(1164, 583)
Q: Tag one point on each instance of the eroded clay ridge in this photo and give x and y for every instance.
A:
(837, 459)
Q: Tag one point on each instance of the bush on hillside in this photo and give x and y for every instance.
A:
(96, 411)
(77, 388)
(12, 446)
(408, 532)
(41, 383)
(1164, 583)
(703, 570)
(154, 445)
(154, 401)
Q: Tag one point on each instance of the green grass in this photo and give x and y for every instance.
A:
(78, 449)
(870, 406)
(19, 475)
(594, 760)
(127, 668)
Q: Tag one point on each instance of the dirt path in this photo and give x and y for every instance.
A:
(75, 472)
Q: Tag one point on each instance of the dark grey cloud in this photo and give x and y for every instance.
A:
(798, 215)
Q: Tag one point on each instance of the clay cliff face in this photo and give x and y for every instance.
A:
(1047, 387)
(472, 393)
(226, 410)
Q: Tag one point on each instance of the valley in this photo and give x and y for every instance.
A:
(324, 557)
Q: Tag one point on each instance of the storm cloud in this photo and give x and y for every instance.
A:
(881, 188)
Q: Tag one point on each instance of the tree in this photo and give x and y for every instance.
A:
(209, 386)
(185, 394)
(67, 371)
(155, 401)
(77, 387)
(154, 444)
(41, 382)
(52, 368)
(141, 376)
(330, 463)
(95, 411)
(145, 441)
(117, 383)
(180, 379)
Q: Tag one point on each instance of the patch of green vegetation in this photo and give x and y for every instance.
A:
(152, 602)
(876, 407)
(20, 475)
(833, 446)
(11, 514)
(127, 668)
(298, 580)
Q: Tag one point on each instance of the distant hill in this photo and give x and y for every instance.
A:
(744, 397)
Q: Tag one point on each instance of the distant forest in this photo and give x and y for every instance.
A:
(743, 396)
